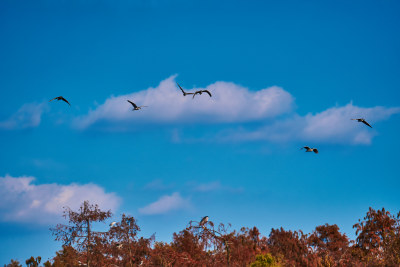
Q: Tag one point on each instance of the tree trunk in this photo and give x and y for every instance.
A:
(88, 243)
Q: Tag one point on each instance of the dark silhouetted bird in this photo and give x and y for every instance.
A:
(61, 98)
(363, 121)
(134, 105)
(308, 149)
(203, 221)
(200, 92)
(183, 92)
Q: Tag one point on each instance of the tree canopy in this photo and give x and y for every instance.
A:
(377, 243)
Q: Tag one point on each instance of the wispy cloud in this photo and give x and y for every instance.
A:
(157, 185)
(24, 201)
(229, 103)
(27, 116)
(47, 163)
(330, 126)
(166, 204)
(214, 186)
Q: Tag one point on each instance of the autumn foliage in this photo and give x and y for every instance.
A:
(377, 244)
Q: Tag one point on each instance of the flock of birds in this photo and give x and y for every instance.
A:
(199, 92)
(205, 219)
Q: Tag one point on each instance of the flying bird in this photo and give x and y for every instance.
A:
(61, 98)
(308, 149)
(200, 92)
(134, 105)
(203, 221)
(184, 93)
(112, 224)
(363, 121)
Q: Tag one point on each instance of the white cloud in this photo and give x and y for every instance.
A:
(24, 201)
(27, 116)
(166, 204)
(235, 104)
(330, 126)
(166, 104)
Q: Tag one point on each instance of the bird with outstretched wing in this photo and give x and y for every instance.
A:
(309, 149)
(135, 107)
(200, 92)
(60, 98)
(363, 121)
(183, 92)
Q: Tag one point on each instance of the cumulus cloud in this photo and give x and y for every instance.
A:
(235, 105)
(27, 116)
(24, 201)
(229, 103)
(166, 204)
(330, 126)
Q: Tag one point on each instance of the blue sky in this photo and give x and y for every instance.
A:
(283, 74)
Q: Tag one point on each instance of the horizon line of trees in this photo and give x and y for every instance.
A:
(377, 243)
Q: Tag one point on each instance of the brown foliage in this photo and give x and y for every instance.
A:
(13, 263)
(378, 240)
(377, 244)
(123, 244)
(330, 245)
(292, 247)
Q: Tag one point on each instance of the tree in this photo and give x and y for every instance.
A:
(330, 245)
(124, 244)
(244, 245)
(189, 247)
(33, 262)
(68, 256)
(292, 246)
(79, 233)
(265, 260)
(13, 263)
(215, 243)
(378, 238)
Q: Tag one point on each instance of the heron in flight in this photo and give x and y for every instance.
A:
(183, 92)
(363, 121)
(200, 92)
(60, 98)
(308, 149)
(135, 107)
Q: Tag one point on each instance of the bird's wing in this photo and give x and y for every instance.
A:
(315, 151)
(181, 88)
(306, 147)
(53, 99)
(208, 92)
(65, 100)
(133, 104)
(366, 123)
